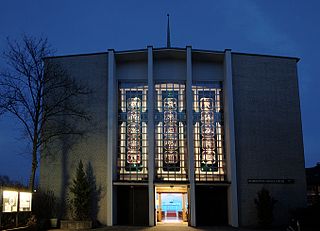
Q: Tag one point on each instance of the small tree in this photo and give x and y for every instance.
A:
(81, 195)
(264, 205)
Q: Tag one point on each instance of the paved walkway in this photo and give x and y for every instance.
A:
(171, 228)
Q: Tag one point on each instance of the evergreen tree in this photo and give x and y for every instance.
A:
(81, 194)
(264, 205)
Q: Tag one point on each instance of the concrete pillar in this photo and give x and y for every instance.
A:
(190, 145)
(151, 138)
(230, 141)
(111, 131)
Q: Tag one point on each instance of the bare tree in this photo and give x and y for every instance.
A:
(40, 94)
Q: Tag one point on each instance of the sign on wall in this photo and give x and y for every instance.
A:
(25, 202)
(270, 181)
(10, 201)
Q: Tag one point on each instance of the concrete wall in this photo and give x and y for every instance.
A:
(57, 168)
(165, 69)
(132, 70)
(207, 71)
(268, 133)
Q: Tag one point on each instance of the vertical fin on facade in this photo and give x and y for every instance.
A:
(168, 32)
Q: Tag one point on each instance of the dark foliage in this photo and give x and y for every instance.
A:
(264, 205)
(95, 195)
(308, 218)
(81, 191)
(8, 220)
(7, 182)
(44, 206)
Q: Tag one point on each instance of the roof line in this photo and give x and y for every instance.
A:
(74, 55)
(265, 55)
(172, 48)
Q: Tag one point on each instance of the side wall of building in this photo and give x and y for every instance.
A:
(58, 167)
(268, 134)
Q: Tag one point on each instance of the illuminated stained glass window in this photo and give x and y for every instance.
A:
(208, 132)
(132, 155)
(170, 132)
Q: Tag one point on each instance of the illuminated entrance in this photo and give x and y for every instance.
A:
(171, 204)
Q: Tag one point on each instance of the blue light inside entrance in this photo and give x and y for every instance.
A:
(171, 202)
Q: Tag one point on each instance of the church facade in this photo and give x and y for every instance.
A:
(186, 135)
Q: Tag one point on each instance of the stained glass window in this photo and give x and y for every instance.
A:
(208, 132)
(132, 157)
(170, 131)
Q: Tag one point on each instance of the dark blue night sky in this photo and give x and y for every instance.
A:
(286, 27)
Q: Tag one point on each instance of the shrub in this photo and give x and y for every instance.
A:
(45, 205)
(264, 205)
(307, 217)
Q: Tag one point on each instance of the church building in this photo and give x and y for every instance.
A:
(185, 135)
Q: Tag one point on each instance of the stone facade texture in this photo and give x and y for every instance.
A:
(268, 133)
(58, 167)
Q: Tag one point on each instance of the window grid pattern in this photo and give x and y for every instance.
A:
(208, 132)
(170, 132)
(132, 150)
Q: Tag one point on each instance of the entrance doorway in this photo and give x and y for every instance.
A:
(211, 205)
(171, 204)
(132, 205)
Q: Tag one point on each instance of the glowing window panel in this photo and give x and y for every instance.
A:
(170, 131)
(132, 155)
(208, 136)
(170, 135)
(208, 152)
(133, 133)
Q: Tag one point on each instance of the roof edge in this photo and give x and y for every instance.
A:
(265, 55)
(74, 55)
(172, 48)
